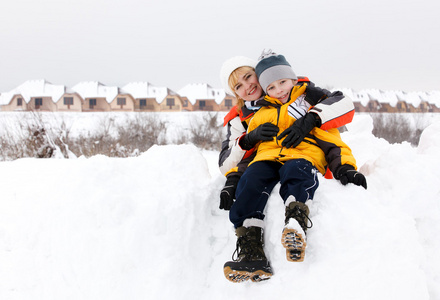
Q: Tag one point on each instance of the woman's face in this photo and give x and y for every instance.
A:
(247, 86)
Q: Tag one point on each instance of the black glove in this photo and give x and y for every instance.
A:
(227, 195)
(264, 132)
(347, 174)
(297, 132)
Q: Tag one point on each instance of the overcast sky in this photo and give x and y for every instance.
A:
(383, 44)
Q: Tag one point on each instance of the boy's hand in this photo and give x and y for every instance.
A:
(296, 133)
(347, 174)
(227, 195)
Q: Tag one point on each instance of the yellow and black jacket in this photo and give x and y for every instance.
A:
(334, 109)
(322, 148)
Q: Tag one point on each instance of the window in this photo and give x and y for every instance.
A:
(142, 102)
(38, 102)
(170, 102)
(68, 100)
(92, 103)
(185, 103)
(228, 103)
(19, 101)
(121, 101)
(202, 103)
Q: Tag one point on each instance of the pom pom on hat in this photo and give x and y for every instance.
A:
(230, 66)
(272, 67)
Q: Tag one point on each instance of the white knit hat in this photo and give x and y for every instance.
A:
(230, 66)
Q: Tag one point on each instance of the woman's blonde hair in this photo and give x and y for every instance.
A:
(233, 80)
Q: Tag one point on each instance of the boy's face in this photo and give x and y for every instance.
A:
(280, 89)
(247, 86)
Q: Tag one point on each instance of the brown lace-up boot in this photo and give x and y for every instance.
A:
(250, 262)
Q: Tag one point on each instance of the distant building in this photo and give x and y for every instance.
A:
(122, 102)
(97, 96)
(377, 101)
(186, 104)
(15, 102)
(93, 96)
(70, 101)
(173, 103)
(203, 97)
(227, 103)
(147, 96)
(36, 95)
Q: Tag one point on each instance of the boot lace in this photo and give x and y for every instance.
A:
(245, 246)
(301, 216)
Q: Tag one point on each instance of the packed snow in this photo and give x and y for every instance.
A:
(149, 227)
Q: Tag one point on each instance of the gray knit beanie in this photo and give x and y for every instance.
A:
(272, 67)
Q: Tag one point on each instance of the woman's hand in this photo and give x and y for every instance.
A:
(264, 132)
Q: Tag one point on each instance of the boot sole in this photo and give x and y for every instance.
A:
(295, 245)
(242, 275)
(295, 255)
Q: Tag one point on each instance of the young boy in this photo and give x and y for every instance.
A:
(276, 161)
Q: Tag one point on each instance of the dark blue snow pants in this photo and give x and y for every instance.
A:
(298, 178)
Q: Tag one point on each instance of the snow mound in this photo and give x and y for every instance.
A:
(149, 227)
(430, 139)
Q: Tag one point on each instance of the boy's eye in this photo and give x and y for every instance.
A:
(269, 88)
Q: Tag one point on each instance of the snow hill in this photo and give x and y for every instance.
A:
(149, 227)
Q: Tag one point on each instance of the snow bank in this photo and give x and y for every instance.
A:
(149, 228)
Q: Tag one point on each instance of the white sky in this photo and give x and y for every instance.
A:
(384, 44)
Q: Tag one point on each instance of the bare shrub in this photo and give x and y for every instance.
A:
(206, 133)
(100, 142)
(397, 128)
(33, 137)
(140, 133)
(122, 140)
(11, 148)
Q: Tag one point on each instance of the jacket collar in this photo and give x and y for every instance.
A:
(276, 103)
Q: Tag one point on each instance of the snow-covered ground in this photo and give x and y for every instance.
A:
(149, 227)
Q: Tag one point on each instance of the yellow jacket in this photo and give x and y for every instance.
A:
(320, 147)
